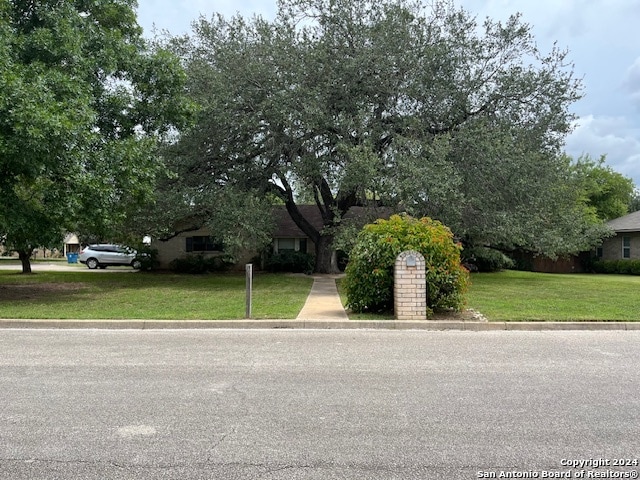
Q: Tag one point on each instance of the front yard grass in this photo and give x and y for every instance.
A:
(503, 296)
(526, 296)
(155, 296)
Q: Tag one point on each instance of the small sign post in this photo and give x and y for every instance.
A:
(249, 282)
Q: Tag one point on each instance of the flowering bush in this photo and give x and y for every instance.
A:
(369, 274)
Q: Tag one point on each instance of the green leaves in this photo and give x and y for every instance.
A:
(607, 193)
(83, 105)
(388, 101)
(369, 275)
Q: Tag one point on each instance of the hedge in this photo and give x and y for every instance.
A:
(622, 267)
(369, 274)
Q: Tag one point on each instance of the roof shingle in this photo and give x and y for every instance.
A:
(628, 223)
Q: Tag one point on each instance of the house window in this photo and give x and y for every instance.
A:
(286, 244)
(290, 245)
(626, 247)
(599, 252)
(203, 244)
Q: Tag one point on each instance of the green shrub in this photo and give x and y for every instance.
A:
(148, 257)
(197, 264)
(369, 274)
(486, 259)
(620, 267)
(290, 261)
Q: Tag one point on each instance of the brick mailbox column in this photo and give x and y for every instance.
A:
(410, 287)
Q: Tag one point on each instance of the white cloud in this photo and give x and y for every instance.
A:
(615, 137)
(602, 39)
(632, 81)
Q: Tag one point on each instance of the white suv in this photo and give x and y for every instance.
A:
(104, 255)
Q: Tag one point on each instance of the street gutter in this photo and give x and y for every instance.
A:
(433, 325)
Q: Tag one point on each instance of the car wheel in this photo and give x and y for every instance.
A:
(136, 264)
(92, 263)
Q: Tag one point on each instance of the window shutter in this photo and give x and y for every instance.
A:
(189, 244)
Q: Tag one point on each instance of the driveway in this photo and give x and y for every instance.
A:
(59, 266)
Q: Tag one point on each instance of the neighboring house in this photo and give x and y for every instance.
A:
(286, 237)
(71, 244)
(626, 242)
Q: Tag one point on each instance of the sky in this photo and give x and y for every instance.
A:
(602, 37)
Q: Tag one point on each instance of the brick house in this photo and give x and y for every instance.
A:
(192, 241)
(624, 245)
(286, 236)
(626, 242)
(201, 241)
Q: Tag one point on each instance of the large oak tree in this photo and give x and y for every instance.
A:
(351, 102)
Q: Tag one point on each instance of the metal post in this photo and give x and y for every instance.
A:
(249, 275)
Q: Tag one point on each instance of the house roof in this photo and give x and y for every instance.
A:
(286, 228)
(628, 223)
(71, 239)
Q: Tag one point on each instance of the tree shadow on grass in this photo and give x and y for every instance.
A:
(133, 295)
(12, 293)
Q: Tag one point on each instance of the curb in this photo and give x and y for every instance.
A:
(433, 325)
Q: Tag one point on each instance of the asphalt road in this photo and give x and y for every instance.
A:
(282, 404)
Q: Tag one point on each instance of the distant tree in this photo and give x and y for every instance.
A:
(359, 101)
(84, 101)
(634, 204)
(608, 193)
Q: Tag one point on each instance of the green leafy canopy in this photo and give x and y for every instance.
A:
(84, 101)
(388, 102)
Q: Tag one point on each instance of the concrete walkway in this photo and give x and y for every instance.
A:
(323, 302)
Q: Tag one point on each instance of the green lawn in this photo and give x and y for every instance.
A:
(526, 296)
(137, 295)
(522, 296)
(504, 296)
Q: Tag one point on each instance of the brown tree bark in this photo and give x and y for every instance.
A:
(326, 259)
(25, 260)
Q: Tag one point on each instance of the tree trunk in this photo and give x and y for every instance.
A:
(25, 259)
(326, 259)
